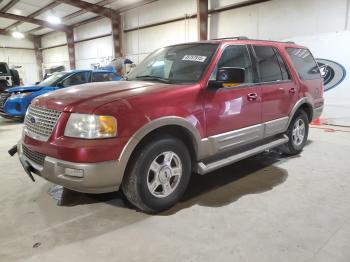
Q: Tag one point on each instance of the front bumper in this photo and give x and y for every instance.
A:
(98, 177)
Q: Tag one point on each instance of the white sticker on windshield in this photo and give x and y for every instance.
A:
(195, 58)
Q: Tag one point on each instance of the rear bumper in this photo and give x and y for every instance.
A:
(100, 177)
(317, 112)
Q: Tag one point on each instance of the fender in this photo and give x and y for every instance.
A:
(153, 125)
(297, 105)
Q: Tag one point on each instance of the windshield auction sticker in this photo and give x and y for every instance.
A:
(195, 58)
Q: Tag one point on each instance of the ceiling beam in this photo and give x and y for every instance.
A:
(75, 14)
(32, 20)
(202, 19)
(5, 32)
(84, 11)
(9, 5)
(93, 8)
(136, 5)
(36, 13)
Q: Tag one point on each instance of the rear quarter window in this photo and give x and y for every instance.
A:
(304, 63)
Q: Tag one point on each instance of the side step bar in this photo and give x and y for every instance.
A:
(203, 168)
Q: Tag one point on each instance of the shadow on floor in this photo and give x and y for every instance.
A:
(10, 122)
(222, 187)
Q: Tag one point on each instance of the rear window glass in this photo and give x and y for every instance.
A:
(304, 63)
(3, 69)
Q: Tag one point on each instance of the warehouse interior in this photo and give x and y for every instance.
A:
(264, 208)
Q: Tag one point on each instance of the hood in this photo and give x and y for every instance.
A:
(24, 88)
(87, 97)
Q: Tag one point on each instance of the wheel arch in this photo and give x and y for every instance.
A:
(303, 104)
(175, 126)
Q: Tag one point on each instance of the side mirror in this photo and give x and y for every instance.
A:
(229, 77)
(37, 83)
(60, 84)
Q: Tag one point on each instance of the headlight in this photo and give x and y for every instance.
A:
(20, 95)
(91, 126)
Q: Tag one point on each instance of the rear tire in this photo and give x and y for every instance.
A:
(297, 133)
(158, 174)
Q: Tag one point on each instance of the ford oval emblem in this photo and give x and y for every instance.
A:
(32, 120)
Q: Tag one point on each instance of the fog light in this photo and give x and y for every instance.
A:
(74, 172)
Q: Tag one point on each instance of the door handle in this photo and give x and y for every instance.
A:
(292, 90)
(252, 96)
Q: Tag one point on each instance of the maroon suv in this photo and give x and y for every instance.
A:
(189, 107)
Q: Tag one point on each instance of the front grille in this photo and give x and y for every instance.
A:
(39, 122)
(36, 157)
(3, 98)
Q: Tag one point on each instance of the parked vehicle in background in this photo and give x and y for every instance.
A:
(189, 107)
(14, 101)
(8, 77)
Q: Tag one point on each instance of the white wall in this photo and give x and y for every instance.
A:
(138, 44)
(94, 51)
(279, 19)
(23, 58)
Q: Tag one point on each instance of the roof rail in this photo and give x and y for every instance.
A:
(290, 42)
(233, 37)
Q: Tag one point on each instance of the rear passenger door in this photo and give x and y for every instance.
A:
(278, 91)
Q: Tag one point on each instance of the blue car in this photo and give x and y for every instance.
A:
(14, 101)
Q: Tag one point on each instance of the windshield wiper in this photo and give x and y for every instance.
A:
(154, 78)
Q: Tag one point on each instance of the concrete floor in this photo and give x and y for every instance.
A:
(265, 208)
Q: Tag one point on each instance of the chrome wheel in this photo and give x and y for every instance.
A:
(164, 174)
(298, 133)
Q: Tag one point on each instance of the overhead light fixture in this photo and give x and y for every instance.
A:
(17, 34)
(52, 19)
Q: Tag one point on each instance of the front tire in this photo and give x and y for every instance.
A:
(297, 133)
(158, 174)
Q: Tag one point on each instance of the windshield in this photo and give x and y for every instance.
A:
(175, 64)
(51, 80)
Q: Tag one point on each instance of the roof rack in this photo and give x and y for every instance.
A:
(233, 37)
(246, 38)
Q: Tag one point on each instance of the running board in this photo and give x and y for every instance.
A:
(203, 168)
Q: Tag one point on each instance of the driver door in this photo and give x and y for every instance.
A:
(233, 114)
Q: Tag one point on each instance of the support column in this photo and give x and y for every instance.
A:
(71, 48)
(202, 19)
(38, 56)
(116, 34)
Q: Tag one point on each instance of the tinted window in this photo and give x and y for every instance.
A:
(103, 76)
(236, 56)
(284, 70)
(77, 79)
(3, 69)
(304, 63)
(268, 64)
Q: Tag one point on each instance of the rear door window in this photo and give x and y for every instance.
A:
(269, 65)
(304, 63)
